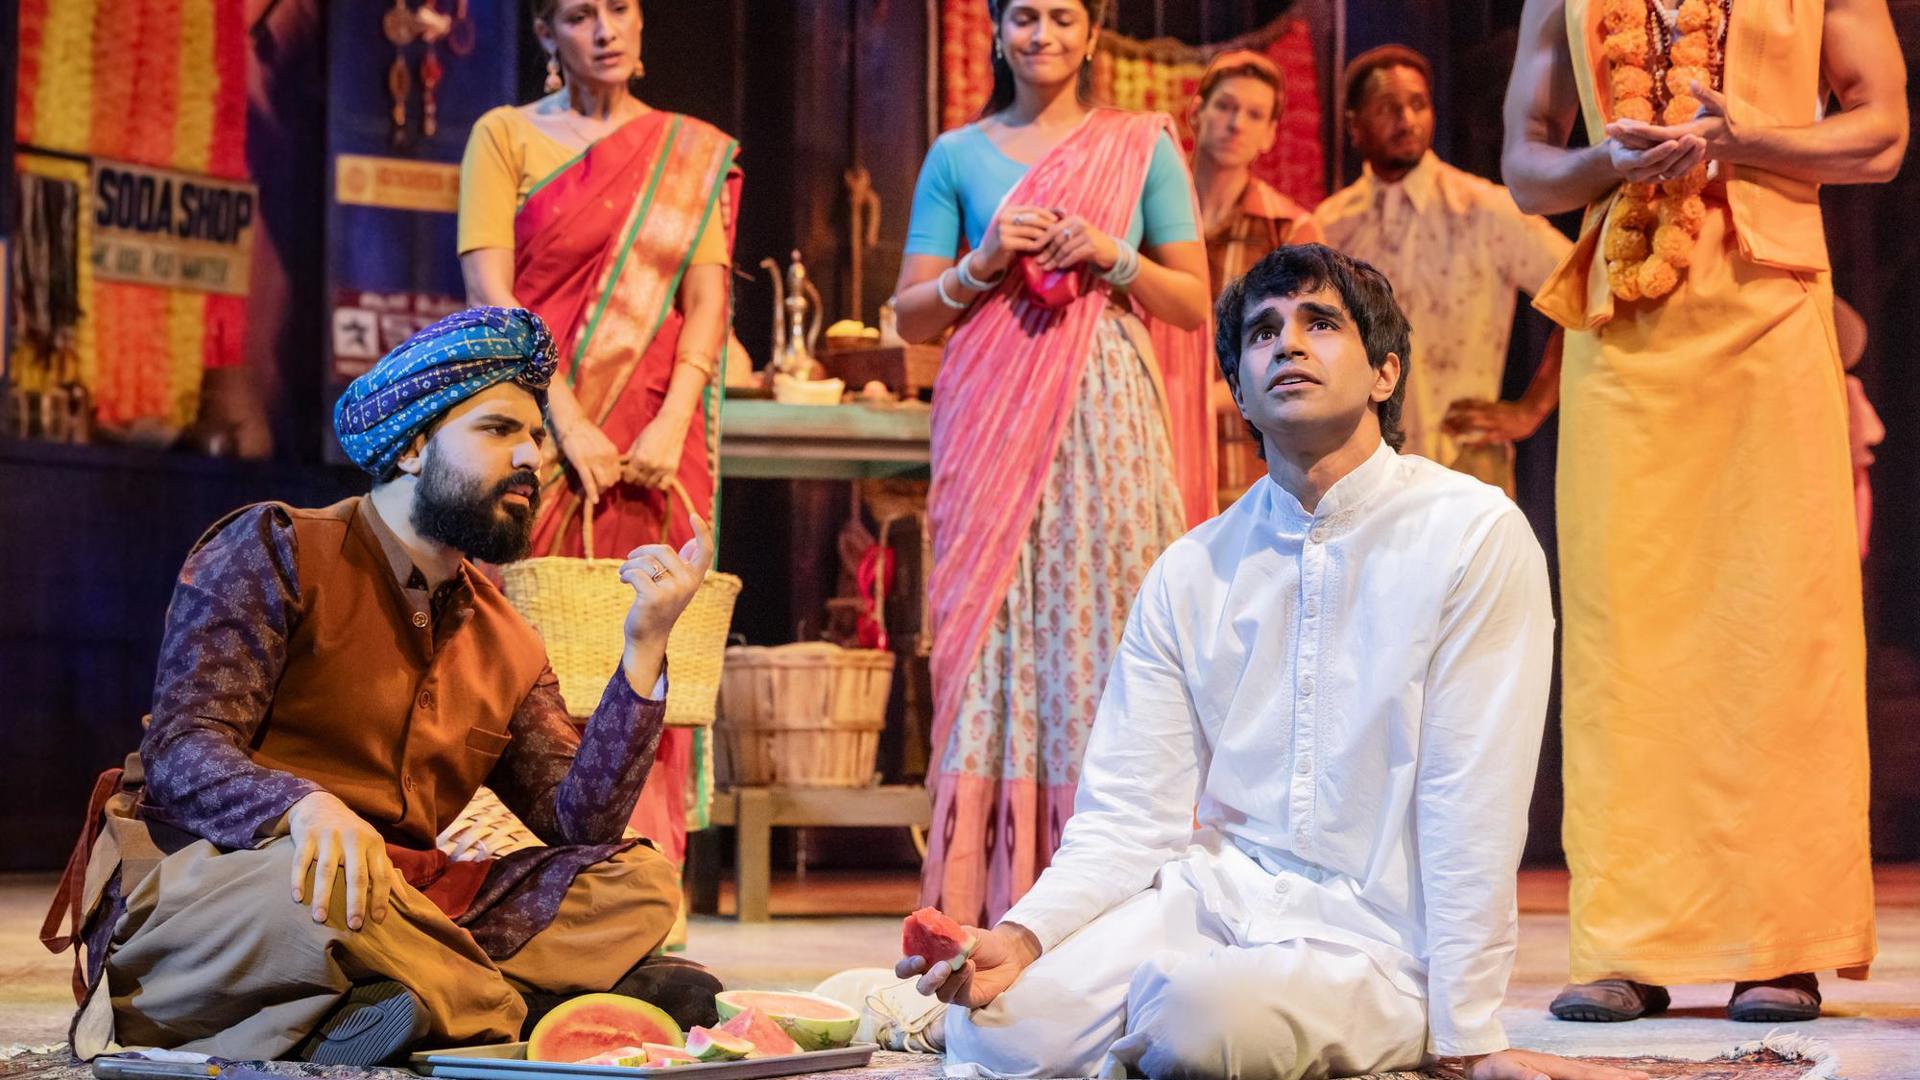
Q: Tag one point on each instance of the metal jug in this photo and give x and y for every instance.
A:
(795, 335)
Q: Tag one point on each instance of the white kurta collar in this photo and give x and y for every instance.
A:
(1349, 493)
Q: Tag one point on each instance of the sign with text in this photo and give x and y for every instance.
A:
(175, 230)
(396, 183)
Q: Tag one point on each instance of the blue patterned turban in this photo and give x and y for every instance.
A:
(434, 370)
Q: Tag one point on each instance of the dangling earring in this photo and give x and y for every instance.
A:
(553, 73)
(998, 52)
(639, 70)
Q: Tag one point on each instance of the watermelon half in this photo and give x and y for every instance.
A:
(595, 1024)
(625, 1055)
(815, 1022)
(931, 935)
(768, 1038)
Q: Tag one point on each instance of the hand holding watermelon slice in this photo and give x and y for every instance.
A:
(961, 965)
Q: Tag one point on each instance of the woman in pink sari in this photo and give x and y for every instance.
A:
(614, 222)
(1054, 479)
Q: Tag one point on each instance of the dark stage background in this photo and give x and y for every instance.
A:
(811, 87)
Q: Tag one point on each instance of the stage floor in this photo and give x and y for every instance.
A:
(1874, 1025)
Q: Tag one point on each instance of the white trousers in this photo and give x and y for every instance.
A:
(1159, 987)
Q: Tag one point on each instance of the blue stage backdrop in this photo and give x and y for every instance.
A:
(406, 79)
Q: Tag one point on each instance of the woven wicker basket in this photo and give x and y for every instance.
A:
(806, 715)
(580, 608)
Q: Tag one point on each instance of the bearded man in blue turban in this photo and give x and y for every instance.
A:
(334, 686)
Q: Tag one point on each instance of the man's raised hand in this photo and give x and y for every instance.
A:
(664, 582)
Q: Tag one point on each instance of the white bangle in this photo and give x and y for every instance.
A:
(1126, 264)
(940, 286)
(966, 276)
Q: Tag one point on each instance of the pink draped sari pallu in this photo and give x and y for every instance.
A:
(600, 248)
(1006, 391)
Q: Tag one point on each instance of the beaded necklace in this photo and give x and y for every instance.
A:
(1654, 56)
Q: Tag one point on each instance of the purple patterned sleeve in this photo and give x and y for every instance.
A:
(575, 789)
(225, 645)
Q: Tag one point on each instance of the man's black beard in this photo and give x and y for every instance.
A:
(462, 513)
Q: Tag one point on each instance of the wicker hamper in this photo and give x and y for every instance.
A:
(580, 608)
(805, 715)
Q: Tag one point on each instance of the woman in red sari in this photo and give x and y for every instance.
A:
(1057, 425)
(614, 222)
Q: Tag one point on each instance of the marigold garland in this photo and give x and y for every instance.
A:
(160, 83)
(1652, 68)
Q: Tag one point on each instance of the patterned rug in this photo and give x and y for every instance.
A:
(1778, 1057)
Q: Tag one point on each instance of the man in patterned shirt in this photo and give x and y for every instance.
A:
(334, 686)
(1235, 116)
(1454, 245)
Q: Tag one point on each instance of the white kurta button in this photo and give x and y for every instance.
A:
(1318, 535)
(1304, 766)
(1306, 685)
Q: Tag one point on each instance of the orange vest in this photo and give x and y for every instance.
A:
(1772, 77)
(399, 730)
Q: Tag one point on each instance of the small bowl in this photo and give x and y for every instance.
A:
(791, 391)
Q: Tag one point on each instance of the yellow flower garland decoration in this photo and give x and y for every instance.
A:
(1650, 230)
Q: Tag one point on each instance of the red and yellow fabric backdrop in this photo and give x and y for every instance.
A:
(161, 83)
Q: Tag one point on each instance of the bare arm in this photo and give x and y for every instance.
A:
(1862, 142)
(654, 457)
(1172, 285)
(1014, 231)
(1511, 421)
(1543, 101)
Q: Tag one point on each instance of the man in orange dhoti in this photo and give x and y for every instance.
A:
(1714, 716)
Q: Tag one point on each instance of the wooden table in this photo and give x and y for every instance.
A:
(762, 439)
(754, 811)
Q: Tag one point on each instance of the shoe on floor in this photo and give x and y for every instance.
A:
(1609, 1001)
(1776, 1001)
(374, 1024)
(892, 1013)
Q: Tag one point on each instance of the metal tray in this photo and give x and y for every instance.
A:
(508, 1061)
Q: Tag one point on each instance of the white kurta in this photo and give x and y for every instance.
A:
(1349, 705)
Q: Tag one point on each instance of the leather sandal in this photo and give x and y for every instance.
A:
(1609, 1001)
(1776, 1001)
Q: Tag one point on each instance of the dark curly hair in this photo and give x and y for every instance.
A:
(1364, 292)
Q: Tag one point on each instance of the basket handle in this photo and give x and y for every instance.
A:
(674, 487)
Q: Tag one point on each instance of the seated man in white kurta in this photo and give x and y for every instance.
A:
(1305, 795)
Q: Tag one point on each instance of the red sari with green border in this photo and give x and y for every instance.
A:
(600, 248)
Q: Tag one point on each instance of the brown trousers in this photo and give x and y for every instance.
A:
(214, 956)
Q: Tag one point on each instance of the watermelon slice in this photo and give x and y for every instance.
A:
(709, 1045)
(930, 934)
(768, 1038)
(662, 1056)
